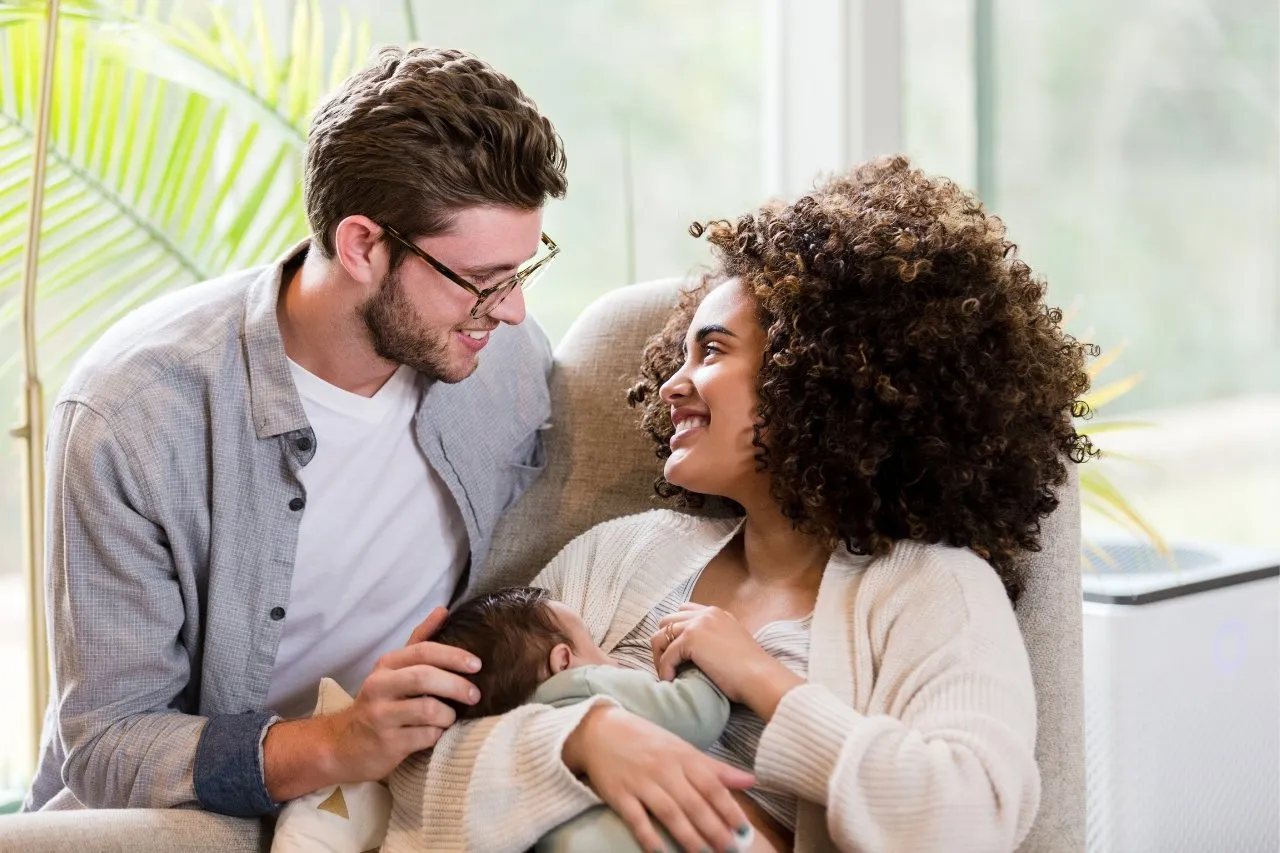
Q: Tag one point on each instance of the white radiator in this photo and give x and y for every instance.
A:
(1182, 701)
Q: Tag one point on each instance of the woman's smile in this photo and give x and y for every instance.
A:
(687, 424)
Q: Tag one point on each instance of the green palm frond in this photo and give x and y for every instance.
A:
(174, 154)
(1097, 493)
(1099, 397)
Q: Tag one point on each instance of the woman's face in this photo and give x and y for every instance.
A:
(713, 399)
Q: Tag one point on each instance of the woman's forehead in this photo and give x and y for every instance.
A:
(727, 305)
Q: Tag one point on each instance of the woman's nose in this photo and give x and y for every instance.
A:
(676, 388)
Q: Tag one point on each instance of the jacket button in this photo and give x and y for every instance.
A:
(303, 444)
(277, 613)
(297, 504)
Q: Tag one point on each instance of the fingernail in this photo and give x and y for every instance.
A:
(473, 664)
(745, 829)
(474, 694)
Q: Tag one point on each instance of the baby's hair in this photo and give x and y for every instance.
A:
(512, 631)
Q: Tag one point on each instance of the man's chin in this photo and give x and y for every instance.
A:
(456, 371)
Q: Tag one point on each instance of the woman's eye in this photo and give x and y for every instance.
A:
(712, 348)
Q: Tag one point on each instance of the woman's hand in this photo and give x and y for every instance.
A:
(718, 644)
(640, 769)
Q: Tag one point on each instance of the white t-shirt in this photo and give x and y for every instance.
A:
(381, 541)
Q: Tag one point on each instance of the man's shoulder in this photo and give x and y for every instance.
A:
(516, 357)
(163, 344)
(510, 387)
(526, 342)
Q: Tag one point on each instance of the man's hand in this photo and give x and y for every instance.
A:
(397, 712)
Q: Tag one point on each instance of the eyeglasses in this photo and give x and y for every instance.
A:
(487, 298)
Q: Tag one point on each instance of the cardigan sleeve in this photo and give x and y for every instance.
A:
(947, 760)
(500, 783)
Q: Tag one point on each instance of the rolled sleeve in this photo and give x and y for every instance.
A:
(229, 776)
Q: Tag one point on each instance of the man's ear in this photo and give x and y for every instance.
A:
(360, 250)
(561, 658)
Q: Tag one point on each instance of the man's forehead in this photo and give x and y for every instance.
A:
(479, 243)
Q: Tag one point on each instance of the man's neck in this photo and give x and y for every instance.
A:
(319, 316)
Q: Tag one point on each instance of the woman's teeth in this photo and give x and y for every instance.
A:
(691, 423)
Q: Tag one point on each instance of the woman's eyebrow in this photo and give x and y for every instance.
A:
(712, 329)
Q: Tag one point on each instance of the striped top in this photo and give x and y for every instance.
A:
(785, 640)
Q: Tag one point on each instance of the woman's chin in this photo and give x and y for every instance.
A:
(680, 475)
(677, 474)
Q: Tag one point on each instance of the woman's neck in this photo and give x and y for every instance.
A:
(774, 553)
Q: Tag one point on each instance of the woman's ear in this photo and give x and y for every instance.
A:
(561, 658)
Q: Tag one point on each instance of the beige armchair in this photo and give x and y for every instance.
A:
(600, 467)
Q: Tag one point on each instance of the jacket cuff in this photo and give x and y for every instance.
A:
(229, 775)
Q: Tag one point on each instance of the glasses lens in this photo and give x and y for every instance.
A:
(493, 300)
(524, 280)
(533, 276)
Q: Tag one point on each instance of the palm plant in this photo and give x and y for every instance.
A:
(1097, 493)
(173, 155)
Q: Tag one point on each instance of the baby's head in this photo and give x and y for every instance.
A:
(522, 637)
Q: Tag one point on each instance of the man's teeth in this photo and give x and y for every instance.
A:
(691, 423)
(477, 336)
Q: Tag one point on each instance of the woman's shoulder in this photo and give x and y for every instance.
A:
(663, 524)
(919, 575)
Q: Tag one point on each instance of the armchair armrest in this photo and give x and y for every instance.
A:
(131, 831)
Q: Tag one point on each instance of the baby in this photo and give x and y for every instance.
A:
(536, 649)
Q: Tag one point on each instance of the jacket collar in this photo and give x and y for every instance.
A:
(274, 401)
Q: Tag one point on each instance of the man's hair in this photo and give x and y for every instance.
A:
(512, 631)
(421, 134)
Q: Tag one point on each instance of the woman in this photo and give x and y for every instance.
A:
(872, 380)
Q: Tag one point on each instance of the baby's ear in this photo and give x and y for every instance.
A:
(561, 658)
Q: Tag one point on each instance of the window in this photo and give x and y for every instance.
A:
(660, 108)
(1133, 151)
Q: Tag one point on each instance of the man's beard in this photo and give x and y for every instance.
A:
(398, 334)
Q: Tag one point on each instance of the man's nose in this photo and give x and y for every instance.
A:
(512, 309)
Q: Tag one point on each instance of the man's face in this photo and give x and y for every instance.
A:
(420, 318)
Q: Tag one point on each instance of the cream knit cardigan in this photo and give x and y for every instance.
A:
(916, 731)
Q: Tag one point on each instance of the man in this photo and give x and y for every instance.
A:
(272, 477)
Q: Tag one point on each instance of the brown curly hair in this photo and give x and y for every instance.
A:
(420, 133)
(914, 383)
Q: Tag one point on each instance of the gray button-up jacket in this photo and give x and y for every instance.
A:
(173, 512)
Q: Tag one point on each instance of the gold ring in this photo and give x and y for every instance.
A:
(670, 637)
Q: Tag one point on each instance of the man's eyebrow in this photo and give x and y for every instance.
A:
(488, 271)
